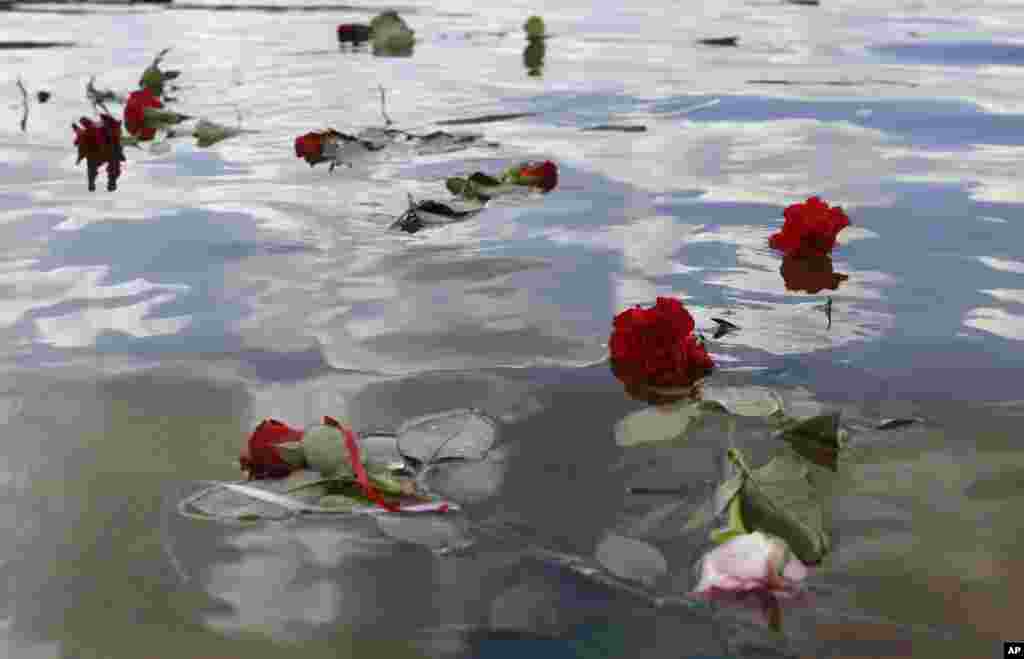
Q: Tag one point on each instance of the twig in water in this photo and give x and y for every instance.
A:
(24, 104)
(383, 106)
(96, 97)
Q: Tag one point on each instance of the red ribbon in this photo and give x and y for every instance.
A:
(357, 466)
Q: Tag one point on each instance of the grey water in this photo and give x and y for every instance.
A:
(146, 331)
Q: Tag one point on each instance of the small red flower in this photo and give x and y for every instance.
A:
(311, 145)
(100, 144)
(811, 274)
(260, 457)
(543, 175)
(656, 347)
(353, 33)
(135, 113)
(810, 228)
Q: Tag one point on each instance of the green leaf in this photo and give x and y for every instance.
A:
(734, 525)
(818, 439)
(778, 498)
(744, 401)
(534, 27)
(157, 118)
(208, 133)
(660, 423)
(325, 451)
(718, 504)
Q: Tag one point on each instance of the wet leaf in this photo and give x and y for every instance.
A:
(717, 505)
(325, 452)
(208, 133)
(433, 531)
(734, 524)
(461, 434)
(778, 498)
(262, 499)
(749, 401)
(660, 423)
(818, 439)
(631, 559)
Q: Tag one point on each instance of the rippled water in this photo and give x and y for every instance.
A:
(147, 330)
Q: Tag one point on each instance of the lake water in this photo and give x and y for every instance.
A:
(146, 331)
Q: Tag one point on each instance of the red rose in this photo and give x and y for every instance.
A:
(810, 228)
(543, 175)
(100, 144)
(261, 457)
(135, 113)
(353, 33)
(811, 274)
(656, 347)
(311, 145)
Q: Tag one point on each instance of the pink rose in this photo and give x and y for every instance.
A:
(753, 569)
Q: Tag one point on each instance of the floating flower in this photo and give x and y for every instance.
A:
(656, 347)
(353, 33)
(317, 147)
(811, 274)
(261, 457)
(100, 144)
(543, 175)
(809, 229)
(135, 113)
(752, 569)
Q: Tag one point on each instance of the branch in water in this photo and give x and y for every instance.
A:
(383, 106)
(24, 104)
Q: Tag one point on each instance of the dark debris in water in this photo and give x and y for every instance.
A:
(35, 45)
(617, 128)
(487, 119)
(720, 41)
(275, 8)
(831, 83)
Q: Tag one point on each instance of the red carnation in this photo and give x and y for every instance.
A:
(543, 175)
(656, 347)
(261, 457)
(135, 113)
(810, 228)
(100, 144)
(811, 274)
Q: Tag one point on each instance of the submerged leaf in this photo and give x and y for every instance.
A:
(660, 423)
(718, 504)
(778, 498)
(744, 401)
(462, 434)
(818, 439)
(631, 559)
(433, 531)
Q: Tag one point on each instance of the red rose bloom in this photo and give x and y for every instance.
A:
(811, 274)
(543, 175)
(810, 228)
(261, 457)
(311, 145)
(100, 144)
(135, 113)
(656, 347)
(353, 33)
